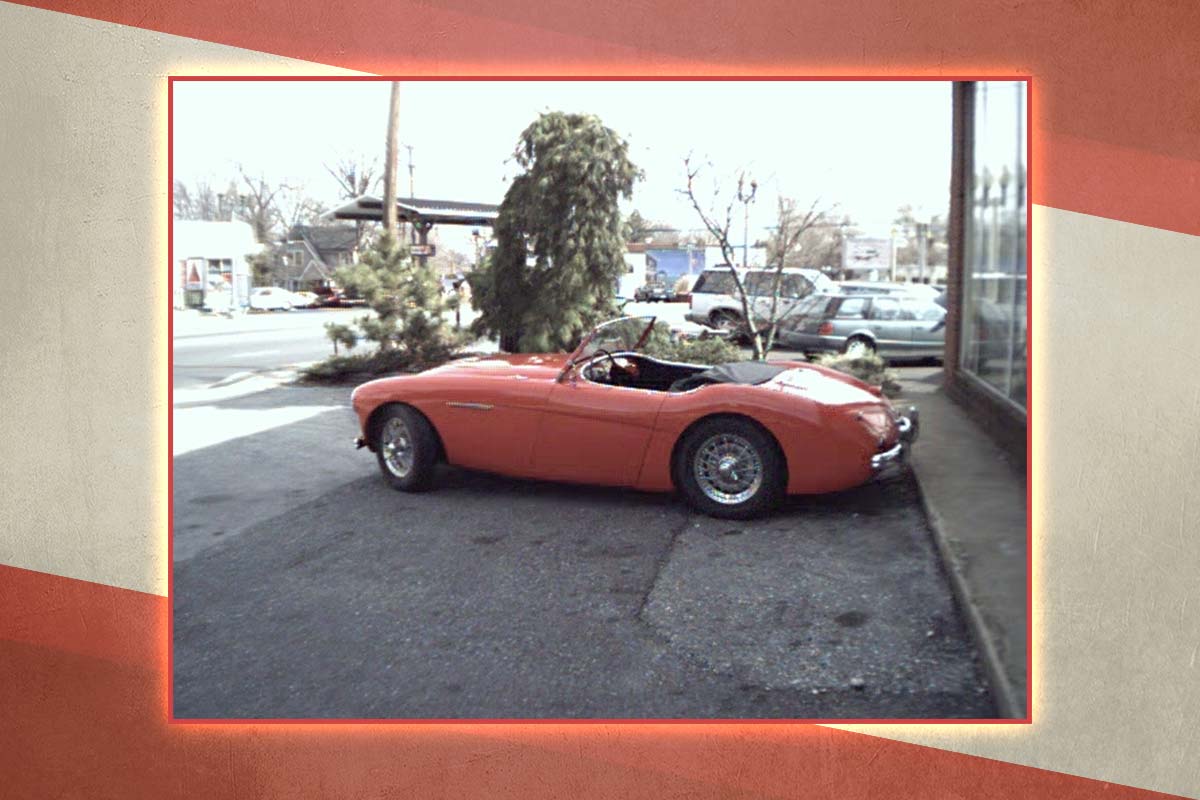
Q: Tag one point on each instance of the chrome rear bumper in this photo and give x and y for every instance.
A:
(880, 461)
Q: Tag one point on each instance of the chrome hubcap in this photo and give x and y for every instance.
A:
(396, 446)
(728, 469)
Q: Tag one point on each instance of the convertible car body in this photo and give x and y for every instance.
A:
(732, 438)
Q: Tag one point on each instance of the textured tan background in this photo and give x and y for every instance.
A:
(83, 452)
(1116, 412)
(83, 436)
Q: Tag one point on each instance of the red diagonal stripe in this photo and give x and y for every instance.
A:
(83, 692)
(1116, 107)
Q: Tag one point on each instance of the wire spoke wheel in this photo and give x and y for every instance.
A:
(728, 469)
(397, 447)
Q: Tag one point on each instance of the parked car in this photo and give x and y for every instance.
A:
(335, 297)
(271, 298)
(328, 295)
(924, 291)
(714, 299)
(305, 299)
(895, 327)
(886, 288)
(657, 289)
(732, 438)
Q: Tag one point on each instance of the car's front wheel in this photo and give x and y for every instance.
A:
(406, 448)
(729, 467)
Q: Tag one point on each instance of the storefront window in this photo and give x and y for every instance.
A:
(994, 263)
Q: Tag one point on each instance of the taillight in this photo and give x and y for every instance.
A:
(825, 329)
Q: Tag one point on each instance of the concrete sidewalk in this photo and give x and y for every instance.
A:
(975, 499)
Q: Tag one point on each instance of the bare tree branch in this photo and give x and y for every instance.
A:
(721, 234)
(792, 227)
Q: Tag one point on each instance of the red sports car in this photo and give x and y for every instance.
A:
(732, 438)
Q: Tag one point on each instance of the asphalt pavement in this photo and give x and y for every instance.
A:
(491, 598)
(304, 587)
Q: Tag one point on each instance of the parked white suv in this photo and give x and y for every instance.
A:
(715, 302)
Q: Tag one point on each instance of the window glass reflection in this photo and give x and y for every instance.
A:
(995, 269)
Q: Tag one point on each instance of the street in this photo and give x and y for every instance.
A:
(209, 348)
(304, 587)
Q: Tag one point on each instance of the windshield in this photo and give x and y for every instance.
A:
(624, 334)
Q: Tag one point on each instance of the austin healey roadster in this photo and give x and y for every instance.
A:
(733, 439)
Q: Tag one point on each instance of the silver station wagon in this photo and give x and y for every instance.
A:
(895, 327)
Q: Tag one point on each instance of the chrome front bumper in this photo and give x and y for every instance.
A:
(909, 423)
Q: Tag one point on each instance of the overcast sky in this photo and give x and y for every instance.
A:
(867, 147)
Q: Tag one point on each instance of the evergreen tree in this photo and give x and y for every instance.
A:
(406, 298)
(559, 236)
(639, 228)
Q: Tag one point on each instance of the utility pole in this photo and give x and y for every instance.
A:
(892, 255)
(410, 187)
(746, 238)
(922, 242)
(842, 243)
(746, 200)
(389, 167)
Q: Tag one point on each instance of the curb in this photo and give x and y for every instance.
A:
(1008, 702)
(229, 380)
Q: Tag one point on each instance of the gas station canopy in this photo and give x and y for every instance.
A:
(419, 211)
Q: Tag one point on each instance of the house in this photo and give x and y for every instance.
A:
(312, 253)
(209, 262)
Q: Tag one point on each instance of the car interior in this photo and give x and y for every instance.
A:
(636, 371)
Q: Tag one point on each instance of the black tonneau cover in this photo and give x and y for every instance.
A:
(745, 372)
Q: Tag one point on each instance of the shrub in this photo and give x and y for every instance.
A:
(406, 325)
(867, 367)
(406, 298)
(344, 335)
(705, 350)
(348, 369)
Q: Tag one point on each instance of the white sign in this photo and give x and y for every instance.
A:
(860, 253)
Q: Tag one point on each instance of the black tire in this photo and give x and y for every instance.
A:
(421, 444)
(726, 321)
(867, 345)
(709, 495)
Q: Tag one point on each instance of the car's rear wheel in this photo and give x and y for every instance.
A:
(728, 467)
(859, 346)
(406, 448)
(731, 322)
(725, 321)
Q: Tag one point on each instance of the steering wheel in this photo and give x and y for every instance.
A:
(612, 361)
